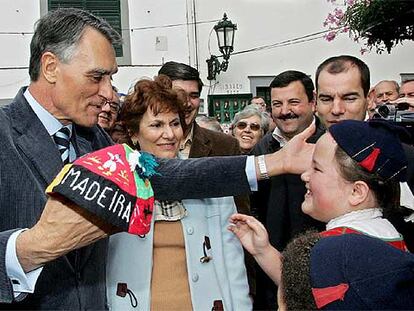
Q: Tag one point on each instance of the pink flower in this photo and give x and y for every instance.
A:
(345, 29)
(350, 2)
(339, 14)
(330, 36)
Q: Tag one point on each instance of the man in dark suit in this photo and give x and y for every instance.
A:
(51, 122)
(278, 202)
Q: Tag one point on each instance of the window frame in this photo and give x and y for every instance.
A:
(125, 59)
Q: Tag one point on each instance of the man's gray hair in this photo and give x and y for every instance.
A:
(395, 83)
(60, 31)
(251, 111)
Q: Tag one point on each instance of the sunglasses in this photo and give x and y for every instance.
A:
(253, 126)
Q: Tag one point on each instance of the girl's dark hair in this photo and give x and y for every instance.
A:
(296, 277)
(156, 95)
(387, 192)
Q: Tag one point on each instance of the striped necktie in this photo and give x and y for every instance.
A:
(62, 138)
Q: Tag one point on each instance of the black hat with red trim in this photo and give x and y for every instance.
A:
(374, 145)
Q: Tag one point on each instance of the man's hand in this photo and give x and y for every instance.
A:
(62, 227)
(408, 100)
(294, 158)
(297, 153)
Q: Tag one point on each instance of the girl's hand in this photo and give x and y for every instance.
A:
(251, 233)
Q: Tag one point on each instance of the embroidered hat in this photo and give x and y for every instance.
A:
(346, 272)
(356, 272)
(113, 184)
(374, 145)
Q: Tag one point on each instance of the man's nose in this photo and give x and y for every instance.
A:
(106, 107)
(105, 88)
(285, 109)
(338, 107)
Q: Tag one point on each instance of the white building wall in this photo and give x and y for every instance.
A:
(260, 22)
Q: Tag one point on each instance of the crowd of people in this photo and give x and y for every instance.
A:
(306, 204)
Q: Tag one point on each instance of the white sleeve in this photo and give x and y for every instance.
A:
(22, 282)
(251, 173)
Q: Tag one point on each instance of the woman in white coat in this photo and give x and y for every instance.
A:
(189, 260)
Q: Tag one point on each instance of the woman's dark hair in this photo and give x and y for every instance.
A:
(387, 192)
(156, 95)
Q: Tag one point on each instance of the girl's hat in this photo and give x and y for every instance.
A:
(374, 145)
(113, 184)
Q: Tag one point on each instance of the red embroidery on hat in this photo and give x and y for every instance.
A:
(324, 296)
(369, 162)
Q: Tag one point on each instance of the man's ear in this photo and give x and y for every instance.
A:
(371, 99)
(313, 103)
(360, 193)
(49, 66)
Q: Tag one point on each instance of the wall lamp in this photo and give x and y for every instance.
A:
(225, 30)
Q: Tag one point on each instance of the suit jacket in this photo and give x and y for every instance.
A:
(279, 199)
(29, 160)
(207, 143)
(222, 278)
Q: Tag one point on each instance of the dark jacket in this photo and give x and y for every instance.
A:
(207, 143)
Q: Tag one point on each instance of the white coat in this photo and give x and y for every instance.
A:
(222, 278)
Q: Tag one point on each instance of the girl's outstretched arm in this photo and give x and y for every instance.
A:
(254, 238)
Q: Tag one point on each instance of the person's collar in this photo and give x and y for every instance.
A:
(51, 124)
(188, 139)
(280, 138)
(359, 215)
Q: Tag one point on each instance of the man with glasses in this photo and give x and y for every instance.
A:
(109, 114)
(278, 202)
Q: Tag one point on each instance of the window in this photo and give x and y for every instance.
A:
(113, 11)
(264, 92)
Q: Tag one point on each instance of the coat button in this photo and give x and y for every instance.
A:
(195, 277)
(190, 230)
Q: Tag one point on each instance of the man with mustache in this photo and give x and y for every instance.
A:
(278, 202)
